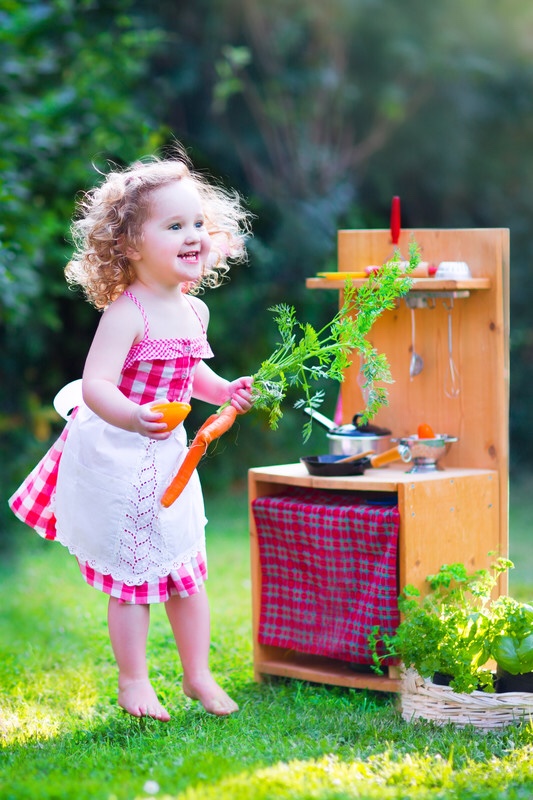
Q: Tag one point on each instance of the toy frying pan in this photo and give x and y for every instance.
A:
(336, 465)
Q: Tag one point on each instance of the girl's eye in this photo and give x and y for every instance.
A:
(200, 223)
(175, 227)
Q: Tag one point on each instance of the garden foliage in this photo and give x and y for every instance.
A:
(318, 113)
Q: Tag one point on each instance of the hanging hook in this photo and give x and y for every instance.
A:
(452, 383)
(447, 306)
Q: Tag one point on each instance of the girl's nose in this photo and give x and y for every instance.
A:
(192, 234)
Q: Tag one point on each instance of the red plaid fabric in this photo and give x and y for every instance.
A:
(170, 379)
(33, 501)
(162, 377)
(184, 581)
(328, 564)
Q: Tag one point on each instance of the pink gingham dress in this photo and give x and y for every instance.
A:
(98, 489)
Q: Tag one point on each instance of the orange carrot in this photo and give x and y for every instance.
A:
(425, 431)
(181, 479)
(223, 421)
(213, 427)
(208, 422)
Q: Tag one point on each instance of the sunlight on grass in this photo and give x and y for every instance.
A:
(382, 776)
(327, 777)
(42, 705)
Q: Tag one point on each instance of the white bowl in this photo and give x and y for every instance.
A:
(453, 270)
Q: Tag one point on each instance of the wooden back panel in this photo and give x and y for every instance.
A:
(480, 328)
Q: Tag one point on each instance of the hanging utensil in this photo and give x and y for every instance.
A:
(452, 381)
(416, 364)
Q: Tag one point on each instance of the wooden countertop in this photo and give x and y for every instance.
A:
(386, 479)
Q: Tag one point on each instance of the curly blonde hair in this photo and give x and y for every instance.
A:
(110, 219)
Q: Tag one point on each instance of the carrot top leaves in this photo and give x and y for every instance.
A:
(304, 355)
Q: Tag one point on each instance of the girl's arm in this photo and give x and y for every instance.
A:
(120, 327)
(211, 388)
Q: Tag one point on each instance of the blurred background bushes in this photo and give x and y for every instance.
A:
(317, 113)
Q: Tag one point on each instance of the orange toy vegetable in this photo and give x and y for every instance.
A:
(213, 427)
(173, 412)
(425, 431)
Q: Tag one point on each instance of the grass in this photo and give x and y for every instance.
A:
(63, 735)
(520, 550)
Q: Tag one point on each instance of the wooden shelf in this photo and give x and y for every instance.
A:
(419, 284)
(324, 670)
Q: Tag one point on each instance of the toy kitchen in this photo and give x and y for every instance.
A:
(331, 553)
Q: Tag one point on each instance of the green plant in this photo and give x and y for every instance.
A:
(512, 635)
(451, 629)
(327, 353)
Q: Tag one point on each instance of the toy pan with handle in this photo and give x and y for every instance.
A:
(336, 465)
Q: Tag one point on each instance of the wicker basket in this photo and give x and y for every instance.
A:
(422, 699)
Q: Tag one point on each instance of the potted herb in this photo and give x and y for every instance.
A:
(512, 644)
(449, 631)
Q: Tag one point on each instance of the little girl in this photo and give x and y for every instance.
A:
(146, 238)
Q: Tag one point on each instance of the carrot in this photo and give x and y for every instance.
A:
(181, 479)
(223, 421)
(214, 426)
(208, 422)
(425, 431)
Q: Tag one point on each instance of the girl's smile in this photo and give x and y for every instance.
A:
(192, 258)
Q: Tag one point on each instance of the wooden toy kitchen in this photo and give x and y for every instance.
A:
(331, 554)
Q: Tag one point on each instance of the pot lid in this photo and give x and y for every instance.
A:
(355, 428)
(367, 427)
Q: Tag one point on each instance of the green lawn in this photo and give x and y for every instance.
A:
(64, 737)
(521, 538)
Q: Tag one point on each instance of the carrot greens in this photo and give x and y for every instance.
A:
(305, 355)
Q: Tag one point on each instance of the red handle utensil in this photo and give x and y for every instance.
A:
(395, 220)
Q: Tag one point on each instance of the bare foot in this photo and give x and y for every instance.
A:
(139, 699)
(212, 696)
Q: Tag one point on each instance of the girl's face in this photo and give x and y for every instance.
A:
(175, 243)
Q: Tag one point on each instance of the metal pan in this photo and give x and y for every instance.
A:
(337, 466)
(354, 438)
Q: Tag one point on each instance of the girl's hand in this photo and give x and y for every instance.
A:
(240, 394)
(149, 423)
